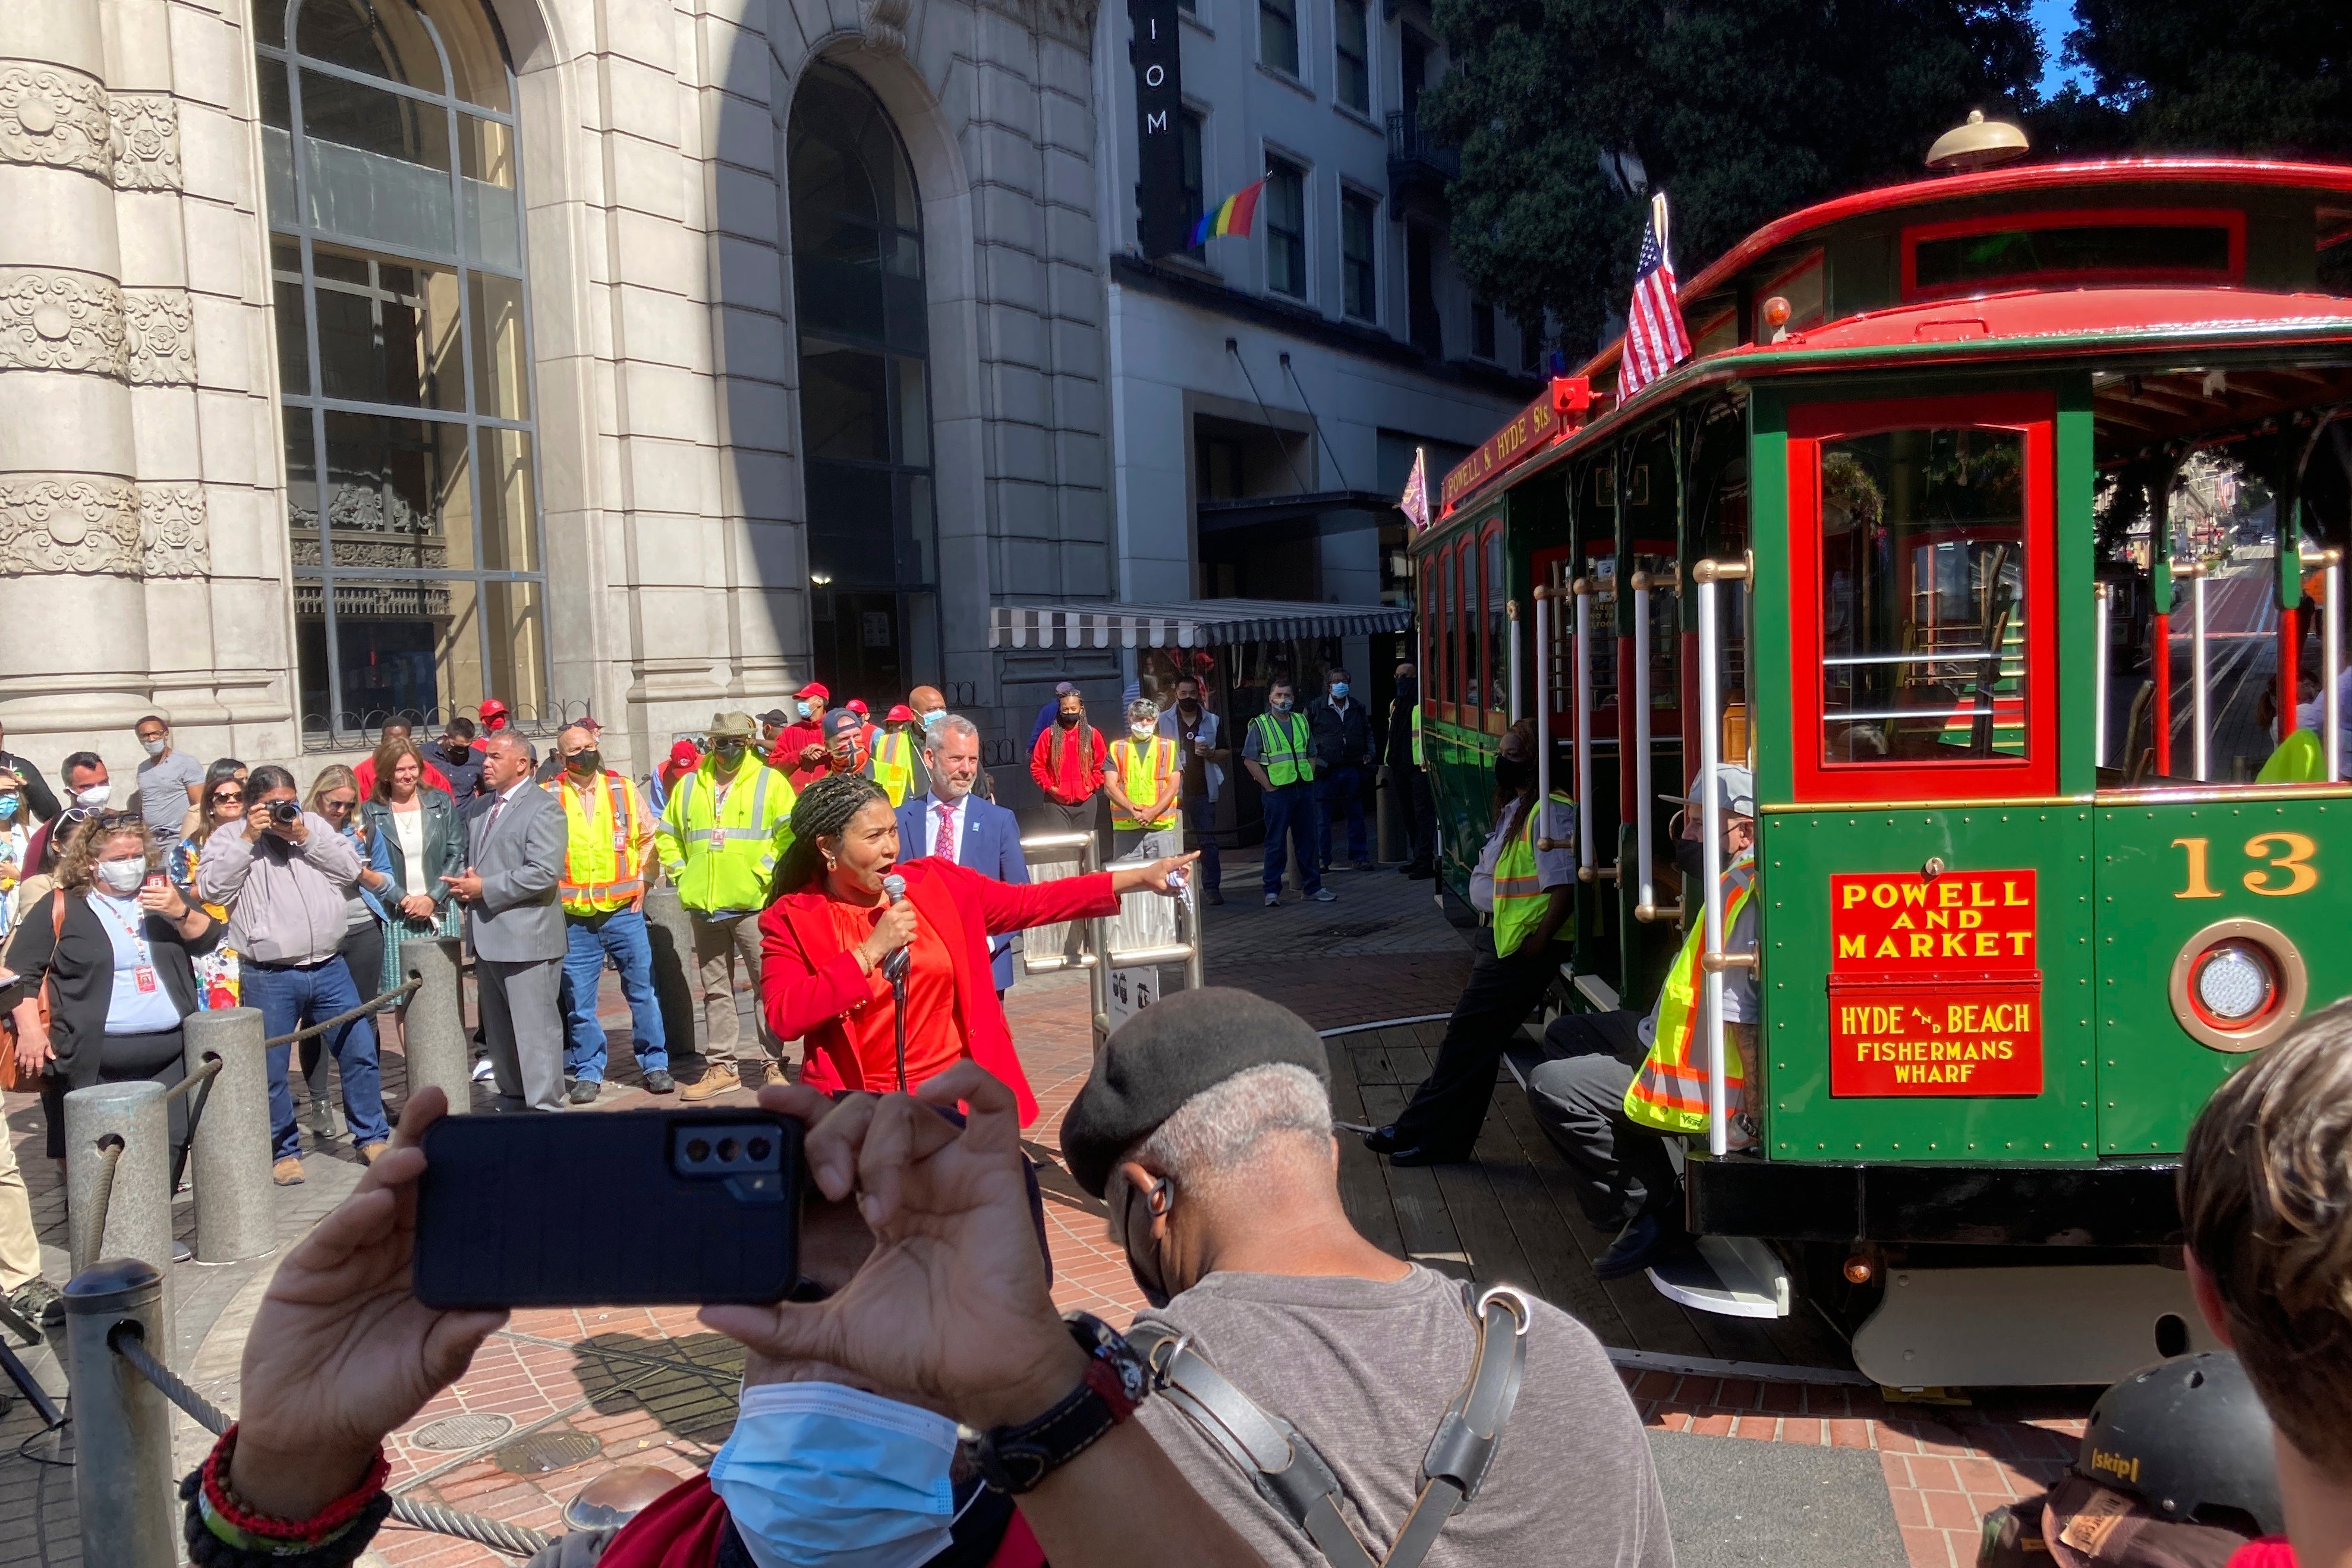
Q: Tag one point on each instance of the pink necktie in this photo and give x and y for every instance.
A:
(943, 841)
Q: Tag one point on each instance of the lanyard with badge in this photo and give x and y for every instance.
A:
(144, 974)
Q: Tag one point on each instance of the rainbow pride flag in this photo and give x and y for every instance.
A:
(1233, 215)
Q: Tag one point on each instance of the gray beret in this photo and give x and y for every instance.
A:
(1167, 1053)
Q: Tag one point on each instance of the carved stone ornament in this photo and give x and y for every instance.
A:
(146, 141)
(61, 321)
(86, 523)
(174, 540)
(161, 326)
(883, 24)
(54, 116)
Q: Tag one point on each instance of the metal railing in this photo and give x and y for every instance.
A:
(1099, 956)
(124, 1489)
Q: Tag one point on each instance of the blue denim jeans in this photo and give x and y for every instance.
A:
(1291, 817)
(1341, 789)
(1201, 816)
(589, 941)
(292, 997)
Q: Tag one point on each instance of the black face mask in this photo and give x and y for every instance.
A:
(1188, 704)
(587, 763)
(1690, 854)
(456, 751)
(1513, 774)
(1067, 720)
(730, 752)
(1155, 1287)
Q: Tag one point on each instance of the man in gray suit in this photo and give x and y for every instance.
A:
(515, 919)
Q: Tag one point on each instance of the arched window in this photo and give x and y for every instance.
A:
(404, 351)
(866, 408)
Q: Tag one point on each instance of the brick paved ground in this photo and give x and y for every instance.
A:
(653, 1387)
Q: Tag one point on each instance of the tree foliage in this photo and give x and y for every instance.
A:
(1740, 109)
(2213, 76)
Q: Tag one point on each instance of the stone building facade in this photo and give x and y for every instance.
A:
(640, 357)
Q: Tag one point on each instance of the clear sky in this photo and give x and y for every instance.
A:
(2054, 17)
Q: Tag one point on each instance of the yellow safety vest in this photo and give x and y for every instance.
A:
(601, 869)
(1416, 735)
(893, 765)
(722, 856)
(1143, 773)
(1519, 897)
(1285, 750)
(1670, 1092)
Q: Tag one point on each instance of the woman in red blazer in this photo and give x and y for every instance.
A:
(824, 941)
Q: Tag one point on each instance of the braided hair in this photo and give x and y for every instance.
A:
(824, 809)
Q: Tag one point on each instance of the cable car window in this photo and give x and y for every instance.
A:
(1499, 626)
(1970, 254)
(1444, 685)
(1923, 542)
(1465, 566)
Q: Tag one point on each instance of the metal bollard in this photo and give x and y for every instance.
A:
(670, 931)
(134, 1202)
(228, 1147)
(434, 1037)
(124, 1487)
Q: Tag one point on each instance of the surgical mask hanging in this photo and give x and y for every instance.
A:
(820, 1475)
(121, 878)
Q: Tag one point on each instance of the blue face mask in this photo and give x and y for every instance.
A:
(1280, 705)
(819, 1476)
(1338, 688)
(933, 720)
(7, 807)
(800, 708)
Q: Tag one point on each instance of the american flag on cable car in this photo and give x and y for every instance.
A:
(1656, 338)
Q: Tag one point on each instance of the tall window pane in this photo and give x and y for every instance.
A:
(1353, 84)
(1286, 231)
(1277, 35)
(1196, 193)
(865, 422)
(396, 263)
(1357, 275)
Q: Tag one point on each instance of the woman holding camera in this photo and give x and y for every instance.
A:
(828, 939)
(114, 943)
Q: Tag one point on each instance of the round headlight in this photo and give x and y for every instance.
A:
(2233, 985)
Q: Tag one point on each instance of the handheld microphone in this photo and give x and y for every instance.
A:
(893, 968)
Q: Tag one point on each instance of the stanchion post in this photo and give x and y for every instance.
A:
(434, 1036)
(228, 1146)
(124, 1487)
(125, 1212)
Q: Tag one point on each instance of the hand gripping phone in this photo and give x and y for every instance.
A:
(645, 1208)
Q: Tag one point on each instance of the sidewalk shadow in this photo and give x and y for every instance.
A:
(688, 1385)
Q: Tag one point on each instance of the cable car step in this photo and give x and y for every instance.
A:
(1730, 1276)
(2030, 1326)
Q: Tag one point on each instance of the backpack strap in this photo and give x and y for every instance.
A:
(1291, 1476)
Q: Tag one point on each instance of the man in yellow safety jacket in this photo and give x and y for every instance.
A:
(896, 759)
(1279, 748)
(1144, 780)
(608, 856)
(1525, 880)
(725, 824)
(1617, 1084)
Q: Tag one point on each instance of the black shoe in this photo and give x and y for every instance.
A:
(585, 1091)
(1421, 873)
(1425, 1154)
(1382, 1139)
(660, 1082)
(1216, 899)
(1646, 1239)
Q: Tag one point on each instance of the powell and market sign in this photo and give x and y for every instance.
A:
(1164, 220)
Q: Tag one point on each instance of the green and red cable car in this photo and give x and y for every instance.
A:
(1998, 520)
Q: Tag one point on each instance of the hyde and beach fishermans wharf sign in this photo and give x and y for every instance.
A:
(1935, 985)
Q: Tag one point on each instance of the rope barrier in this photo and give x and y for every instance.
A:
(376, 1005)
(128, 1341)
(202, 1075)
(110, 1155)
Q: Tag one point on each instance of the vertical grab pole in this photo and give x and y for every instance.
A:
(2100, 595)
(2331, 665)
(1582, 591)
(1642, 740)
(1710, 748)
(1511, 630)
(2201, 748)
(1543, 693)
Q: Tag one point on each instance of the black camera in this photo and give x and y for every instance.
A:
(285, 812)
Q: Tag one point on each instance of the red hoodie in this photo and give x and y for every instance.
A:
(1067, 768)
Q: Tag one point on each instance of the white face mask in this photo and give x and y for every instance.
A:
(94, 797)
(1144, 731)
(121, 878)
(158, 746)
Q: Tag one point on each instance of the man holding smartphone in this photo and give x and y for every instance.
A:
(514, 919)
(288, 874)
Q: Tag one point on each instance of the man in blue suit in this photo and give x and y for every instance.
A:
(953, 823)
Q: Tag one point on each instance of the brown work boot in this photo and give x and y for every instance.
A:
(775, 1074)
(714, 1082)
(287, 1172)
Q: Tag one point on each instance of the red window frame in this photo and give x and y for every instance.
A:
(2230, 219)
(2034, 414)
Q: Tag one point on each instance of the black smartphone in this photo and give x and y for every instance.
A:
(687, 1207)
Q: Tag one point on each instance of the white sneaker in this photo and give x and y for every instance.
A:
(1743, 1134)
(483, 1071)
(1272, 901)
(1326, 896)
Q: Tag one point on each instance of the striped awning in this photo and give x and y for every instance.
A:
(1197, 623)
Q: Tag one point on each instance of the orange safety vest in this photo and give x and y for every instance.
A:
(1670, 1092)
(1144, 769)
(601, 867)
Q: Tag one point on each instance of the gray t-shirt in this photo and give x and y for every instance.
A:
(163, 790)
(1366, 1369)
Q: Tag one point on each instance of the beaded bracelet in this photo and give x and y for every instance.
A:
(223, 1531)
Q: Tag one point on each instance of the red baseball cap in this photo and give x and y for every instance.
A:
(492, 708)
(899, 715)
(815, 690)
(855, 705)
(685, 754)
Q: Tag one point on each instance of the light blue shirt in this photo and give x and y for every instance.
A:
(132, 1010)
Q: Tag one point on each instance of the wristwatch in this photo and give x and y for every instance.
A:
(1014, 1459)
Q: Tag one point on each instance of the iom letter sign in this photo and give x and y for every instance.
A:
(1162, 219)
